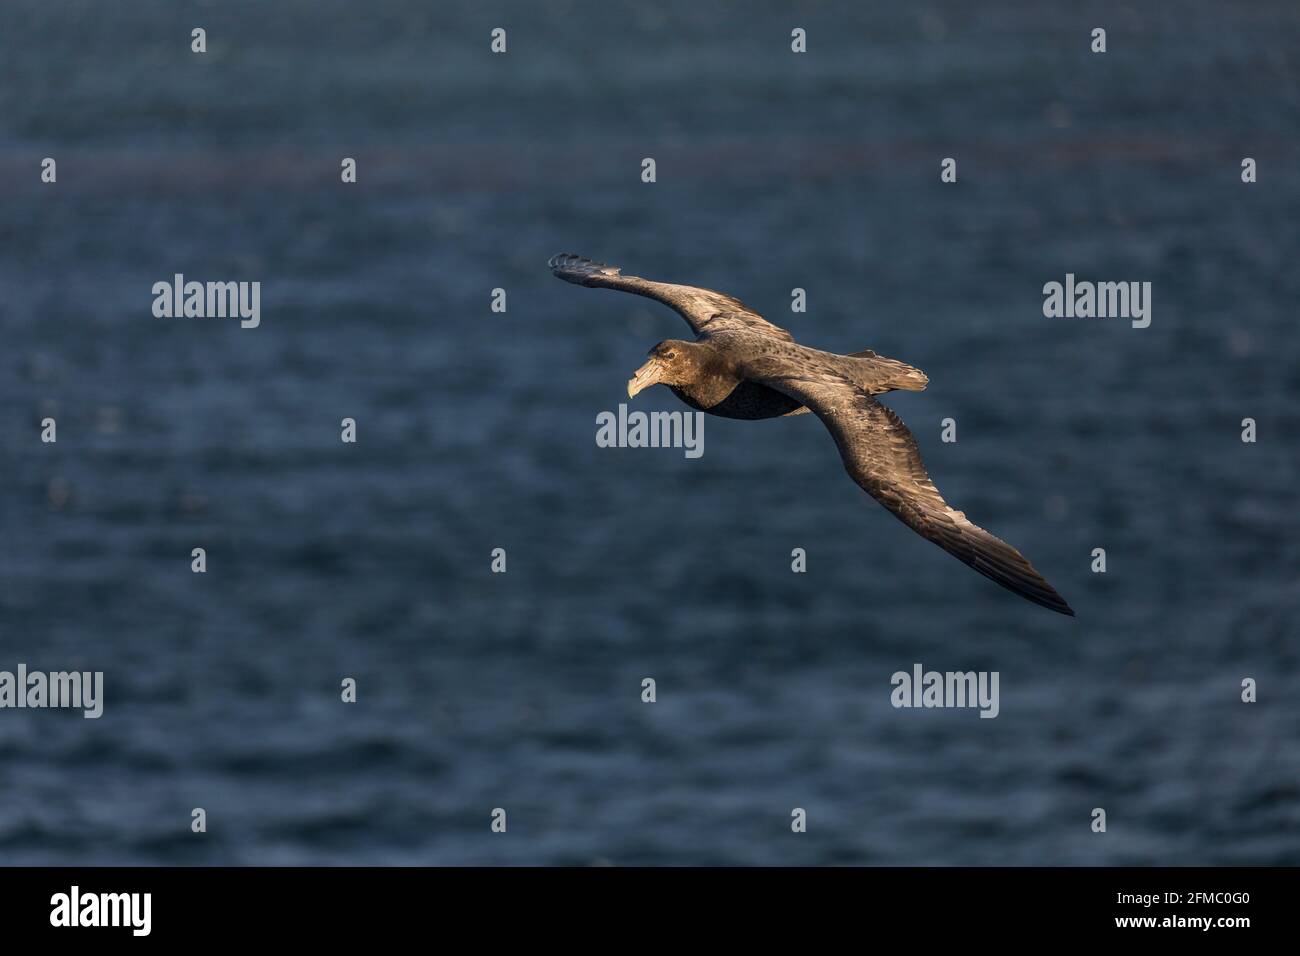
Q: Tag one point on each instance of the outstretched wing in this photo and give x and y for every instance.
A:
(700, 308)
(880, 454)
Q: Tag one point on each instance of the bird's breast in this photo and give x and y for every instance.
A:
(737, 399)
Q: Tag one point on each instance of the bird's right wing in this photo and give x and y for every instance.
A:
(880, 454)
(700, 308)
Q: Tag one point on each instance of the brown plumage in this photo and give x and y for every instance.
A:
(742, 366)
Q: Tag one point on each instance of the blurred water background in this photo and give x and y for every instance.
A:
(477, 431)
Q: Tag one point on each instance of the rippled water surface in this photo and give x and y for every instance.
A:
(476, 431)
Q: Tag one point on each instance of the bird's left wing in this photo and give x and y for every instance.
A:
(703, 309)
(880, 454)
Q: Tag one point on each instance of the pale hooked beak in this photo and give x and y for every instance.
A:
(648, 374)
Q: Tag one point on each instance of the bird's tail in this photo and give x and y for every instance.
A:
(891, 373)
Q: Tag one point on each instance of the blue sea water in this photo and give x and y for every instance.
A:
(476, 430)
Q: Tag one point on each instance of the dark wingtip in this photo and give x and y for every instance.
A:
(1044, 595)
(1003, 564)
(1050, 599)
(567, 260)
(575, 268)
(1059, 606)
(1053, 600)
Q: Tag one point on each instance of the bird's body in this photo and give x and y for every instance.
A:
(723, 387)
(742, 366)
(729, 397)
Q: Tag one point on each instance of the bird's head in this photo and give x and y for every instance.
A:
(672, 362)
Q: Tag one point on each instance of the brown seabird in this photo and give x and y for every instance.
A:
(742, 366)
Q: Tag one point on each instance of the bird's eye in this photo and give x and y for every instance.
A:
(670, 355)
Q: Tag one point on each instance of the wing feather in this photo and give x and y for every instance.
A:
(701, 308)
(880, 454)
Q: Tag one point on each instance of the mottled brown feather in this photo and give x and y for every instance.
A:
(880, 454)
(701, 308)
(877, 449)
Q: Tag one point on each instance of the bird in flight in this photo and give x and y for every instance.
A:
(742, 366)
